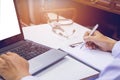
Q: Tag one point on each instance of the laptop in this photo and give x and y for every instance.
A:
(11, 39)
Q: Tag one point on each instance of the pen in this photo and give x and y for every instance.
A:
(91, 33)
(75, 44)
(93, 30)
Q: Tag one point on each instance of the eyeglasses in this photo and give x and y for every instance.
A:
(62, 32)
(57, 27)
(76, 44)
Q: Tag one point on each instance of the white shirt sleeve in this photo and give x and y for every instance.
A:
(30, 78)
(112, 71)
(116, 49)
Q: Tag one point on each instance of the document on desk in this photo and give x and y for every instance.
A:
(95, 58)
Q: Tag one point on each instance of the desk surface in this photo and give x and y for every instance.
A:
(68, 68)
(43, 34)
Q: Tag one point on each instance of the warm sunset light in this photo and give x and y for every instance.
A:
(85, 12)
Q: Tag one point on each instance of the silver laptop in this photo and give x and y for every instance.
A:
(11, 39)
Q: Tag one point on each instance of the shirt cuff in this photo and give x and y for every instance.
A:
(115, 50)
(29, 78)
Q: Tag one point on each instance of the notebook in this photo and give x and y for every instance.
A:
(96, 59)
(11, 39)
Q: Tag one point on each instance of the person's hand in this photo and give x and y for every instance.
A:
(98, 40)
(13, 67)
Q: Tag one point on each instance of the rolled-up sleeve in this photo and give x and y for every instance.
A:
(30, 78)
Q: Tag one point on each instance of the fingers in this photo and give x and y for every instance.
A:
(2, 65)
(86, 33)
(11, 54)
(8, 56)
(91, 45)
(86, 37)
(5, 57)
(94, 34)
(2, 62)
(89, 40)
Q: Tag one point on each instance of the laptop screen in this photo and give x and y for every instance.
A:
(9, 26)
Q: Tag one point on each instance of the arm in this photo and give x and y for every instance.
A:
(98, 40)
(112, 71)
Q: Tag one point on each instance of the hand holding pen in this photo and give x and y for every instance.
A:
(91, 33)
(83, 43)
(96, 40)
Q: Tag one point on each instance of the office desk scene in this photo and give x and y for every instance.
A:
(48, 34)
(56, 41)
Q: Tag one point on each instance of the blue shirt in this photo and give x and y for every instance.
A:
(111, 72)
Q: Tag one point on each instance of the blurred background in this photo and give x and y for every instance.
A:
(106, 13)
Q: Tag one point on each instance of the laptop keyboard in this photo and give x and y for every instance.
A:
(29, 49)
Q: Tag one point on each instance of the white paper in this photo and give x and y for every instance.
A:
(95, 58)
